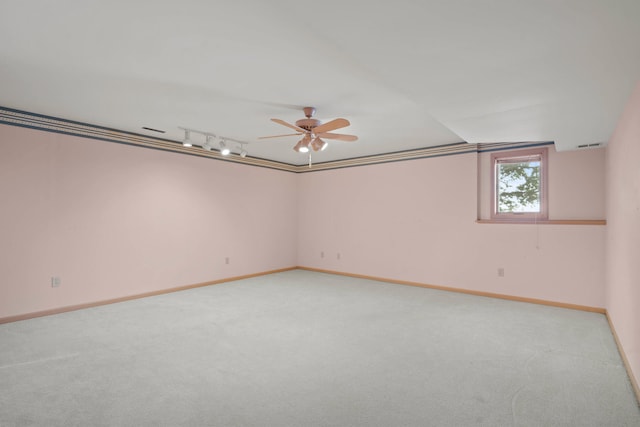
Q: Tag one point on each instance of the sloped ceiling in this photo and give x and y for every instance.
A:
(407, 74)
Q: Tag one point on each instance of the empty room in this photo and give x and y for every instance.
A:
(290, 213)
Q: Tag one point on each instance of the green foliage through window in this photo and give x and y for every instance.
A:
(518, 185)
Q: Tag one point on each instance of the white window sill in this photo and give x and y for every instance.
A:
(544, 221)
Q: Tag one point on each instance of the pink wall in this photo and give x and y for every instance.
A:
(415, 221)
(114, 220)
(623, 234)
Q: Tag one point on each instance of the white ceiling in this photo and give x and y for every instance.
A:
(407, 74)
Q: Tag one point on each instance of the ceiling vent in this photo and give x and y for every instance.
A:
(153, 130)
(594, 145)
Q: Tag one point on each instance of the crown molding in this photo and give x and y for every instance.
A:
(13, 117)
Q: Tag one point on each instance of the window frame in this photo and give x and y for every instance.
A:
(514, 155)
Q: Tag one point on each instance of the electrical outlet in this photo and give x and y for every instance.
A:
(321, 254)
(338, 256)
(226, 260)
(500, 272)
(55, 281)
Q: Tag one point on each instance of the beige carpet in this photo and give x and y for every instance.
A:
(309, 349)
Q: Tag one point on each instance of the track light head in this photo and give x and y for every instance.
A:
(224, 150)
(207, 145)
(187, 139)
(243, 153)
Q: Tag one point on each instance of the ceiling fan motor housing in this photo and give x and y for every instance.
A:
(308, 124)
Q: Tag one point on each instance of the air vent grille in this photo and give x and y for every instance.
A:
(596, 144)
(153, 130)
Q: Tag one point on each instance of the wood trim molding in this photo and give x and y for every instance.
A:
(625, 361)
(65, 309)
(420, 153)
(464, 291)
(68, 308)
(545, 222)
(487, 147)
(13, 117)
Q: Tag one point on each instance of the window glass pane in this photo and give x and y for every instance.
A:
(518, 185)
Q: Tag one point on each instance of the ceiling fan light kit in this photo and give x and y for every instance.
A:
(319, 145)
(303, 145)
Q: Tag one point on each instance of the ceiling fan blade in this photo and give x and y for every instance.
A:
(332, 125)
(289, 125)
(338, 136)
(279, 136)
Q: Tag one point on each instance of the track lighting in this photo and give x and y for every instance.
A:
(224, 150)
(187, 139)
(208, 145)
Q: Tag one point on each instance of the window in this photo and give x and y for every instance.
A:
(519, 185)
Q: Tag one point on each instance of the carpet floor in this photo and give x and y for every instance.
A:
(308, 349)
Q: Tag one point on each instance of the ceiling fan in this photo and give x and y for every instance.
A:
(314, 131)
